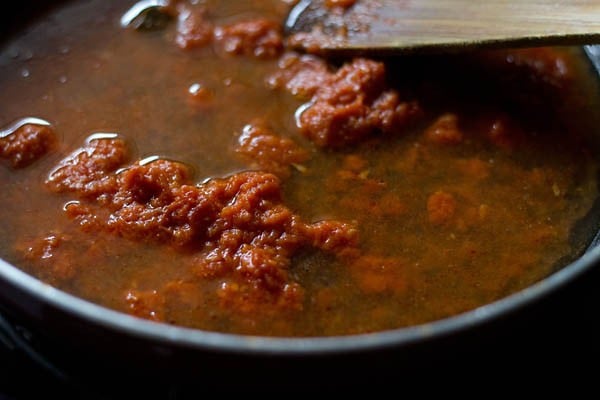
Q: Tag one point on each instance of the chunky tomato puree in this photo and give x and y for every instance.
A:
(197, 171)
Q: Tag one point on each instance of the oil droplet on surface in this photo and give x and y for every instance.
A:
(199, 94)
(194, 88)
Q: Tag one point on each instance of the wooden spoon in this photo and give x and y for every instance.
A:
(420, 26)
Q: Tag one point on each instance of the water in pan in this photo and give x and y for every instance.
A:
(388, 192)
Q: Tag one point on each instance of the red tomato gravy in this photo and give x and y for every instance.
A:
(200, 173)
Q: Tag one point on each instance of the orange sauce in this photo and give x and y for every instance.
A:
(202, 175)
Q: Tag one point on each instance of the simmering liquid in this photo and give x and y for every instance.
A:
(201, 174)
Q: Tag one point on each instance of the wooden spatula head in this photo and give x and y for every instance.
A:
(410, 26)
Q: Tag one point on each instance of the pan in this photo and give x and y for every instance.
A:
(73, 332)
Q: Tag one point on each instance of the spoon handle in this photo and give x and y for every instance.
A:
(401, 26)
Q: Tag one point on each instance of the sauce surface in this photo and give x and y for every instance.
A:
(201, 174)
